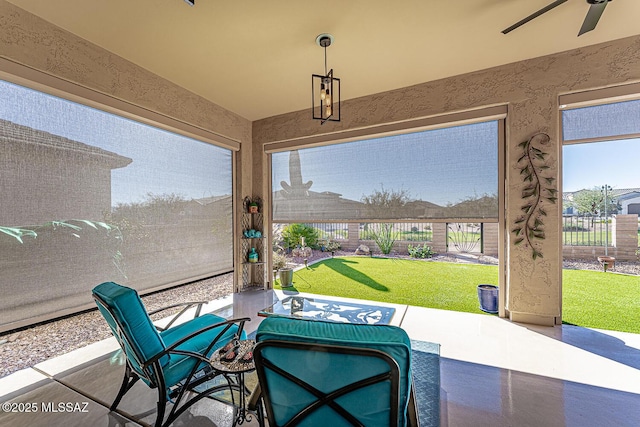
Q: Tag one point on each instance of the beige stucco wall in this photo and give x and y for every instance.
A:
(28, 40)
(531, 89)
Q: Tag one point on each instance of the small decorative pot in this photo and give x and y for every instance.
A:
(286, 277)
(253, 208)
(488, 298)
(607, 262)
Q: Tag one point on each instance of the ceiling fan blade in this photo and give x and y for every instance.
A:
(533, 16)
(592, 18)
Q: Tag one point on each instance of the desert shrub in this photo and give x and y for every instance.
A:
(384, 236)
(332, 246)
(420, 251)
(280, 260)
(292, 234)
(328, 245)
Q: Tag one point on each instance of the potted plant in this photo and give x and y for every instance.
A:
(280, 262)
(253, 207)
(286, 277)
(607, 262)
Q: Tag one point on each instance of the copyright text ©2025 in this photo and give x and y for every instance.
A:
(48, 407)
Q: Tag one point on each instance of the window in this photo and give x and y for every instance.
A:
(88, 197)
(601, 144)
(602, 122)
(600, 152)
(445, 173)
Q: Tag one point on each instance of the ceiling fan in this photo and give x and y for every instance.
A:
(590, 21)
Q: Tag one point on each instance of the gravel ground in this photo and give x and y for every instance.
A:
(36, 344)
(28, 347)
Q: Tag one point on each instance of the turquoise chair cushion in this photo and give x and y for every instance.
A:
(145, 340)
(179, 366)
(329, 371)
(128, 309)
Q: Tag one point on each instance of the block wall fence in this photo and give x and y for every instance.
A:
(624, 229)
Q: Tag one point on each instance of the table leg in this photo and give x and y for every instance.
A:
(243, 415)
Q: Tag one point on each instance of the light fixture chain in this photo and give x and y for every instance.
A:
(325, 59)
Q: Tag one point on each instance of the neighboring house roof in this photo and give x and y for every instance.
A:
(204, 201)
(630, 195)
(617, 193)
(423, 204)
(14, 133)
(327, 196)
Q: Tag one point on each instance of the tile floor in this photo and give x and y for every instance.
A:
(493, 373)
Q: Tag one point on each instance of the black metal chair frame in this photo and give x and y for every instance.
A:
(327, 399)
(153, 367)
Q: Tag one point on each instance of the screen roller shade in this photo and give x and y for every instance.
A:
(444, 173)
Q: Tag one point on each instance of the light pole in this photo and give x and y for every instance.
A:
(606, 189)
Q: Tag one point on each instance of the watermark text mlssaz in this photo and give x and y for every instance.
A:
(48, 407)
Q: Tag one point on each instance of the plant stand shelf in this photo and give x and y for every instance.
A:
(254, 274)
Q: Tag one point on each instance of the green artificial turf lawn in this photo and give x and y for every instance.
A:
(590, 298)
(596, 299)
(427, 284)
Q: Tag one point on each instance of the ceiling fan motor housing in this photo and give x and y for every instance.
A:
(597, 1)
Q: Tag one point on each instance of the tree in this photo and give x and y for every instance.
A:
(591, 202)
(384, 203)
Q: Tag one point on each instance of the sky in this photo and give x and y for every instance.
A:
(163, 162)
(614, 163)
(445, 166)
(594, 164)
(442, 166)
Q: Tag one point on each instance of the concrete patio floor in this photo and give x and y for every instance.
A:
(493, 373)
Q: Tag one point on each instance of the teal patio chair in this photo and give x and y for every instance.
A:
(317, 373)
(173, 359)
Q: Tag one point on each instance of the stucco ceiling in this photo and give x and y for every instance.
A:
(256, 57)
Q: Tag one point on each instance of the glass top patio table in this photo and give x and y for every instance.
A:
(330, 310)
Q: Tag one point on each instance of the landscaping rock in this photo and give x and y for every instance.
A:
(301, 252)
(363, 250)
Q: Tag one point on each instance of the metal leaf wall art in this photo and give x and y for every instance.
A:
(539, 189)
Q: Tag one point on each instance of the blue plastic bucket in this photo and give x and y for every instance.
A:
(488, 298)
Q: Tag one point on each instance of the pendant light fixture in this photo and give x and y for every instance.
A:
(325, 89)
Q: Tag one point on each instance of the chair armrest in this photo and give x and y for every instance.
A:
(172, 348)
(187, 306)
